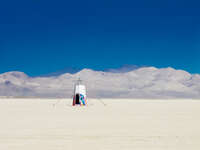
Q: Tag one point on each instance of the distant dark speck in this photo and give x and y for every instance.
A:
(7, 82)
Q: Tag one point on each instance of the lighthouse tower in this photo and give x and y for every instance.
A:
(79, 97)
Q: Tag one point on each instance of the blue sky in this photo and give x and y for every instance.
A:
(39, 37)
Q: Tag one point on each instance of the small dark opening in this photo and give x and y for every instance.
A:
(77, 99)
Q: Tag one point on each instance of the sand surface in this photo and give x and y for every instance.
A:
(52, 124)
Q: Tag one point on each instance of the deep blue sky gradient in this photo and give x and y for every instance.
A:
(42, 36)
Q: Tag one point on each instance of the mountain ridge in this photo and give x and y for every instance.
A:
(142, 82)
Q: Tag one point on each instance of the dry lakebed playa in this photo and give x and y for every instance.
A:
(104, 124)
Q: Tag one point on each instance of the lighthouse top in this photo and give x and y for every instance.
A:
(79, 81)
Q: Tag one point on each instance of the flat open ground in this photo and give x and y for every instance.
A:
(34, 124)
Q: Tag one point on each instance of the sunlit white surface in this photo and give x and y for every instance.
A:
(108, 124)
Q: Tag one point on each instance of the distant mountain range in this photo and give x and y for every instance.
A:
(73, 70)
(125, 82)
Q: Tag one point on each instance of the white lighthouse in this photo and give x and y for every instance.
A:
(79, 97)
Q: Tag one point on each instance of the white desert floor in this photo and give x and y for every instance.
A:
(34, 124)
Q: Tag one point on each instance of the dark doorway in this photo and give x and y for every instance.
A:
(77, 99)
